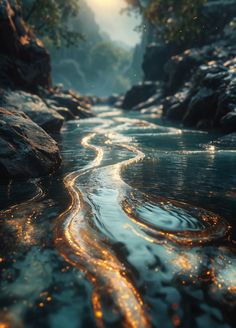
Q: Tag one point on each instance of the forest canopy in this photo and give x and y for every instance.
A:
(49, 18)
(175, 21)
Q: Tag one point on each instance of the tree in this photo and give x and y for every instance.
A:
(49, 19)
(107, 57)
(176, 21)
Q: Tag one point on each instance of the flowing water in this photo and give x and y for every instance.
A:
(135, 230)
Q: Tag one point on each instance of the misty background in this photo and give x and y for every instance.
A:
(108, 58)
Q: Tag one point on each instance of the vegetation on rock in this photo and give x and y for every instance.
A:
(49, 19)
(175, 21)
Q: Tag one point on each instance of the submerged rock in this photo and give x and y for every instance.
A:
(26, 150)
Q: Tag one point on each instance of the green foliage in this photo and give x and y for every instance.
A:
(108, 66)
(106, 57)
(176, 21)
(49, 19)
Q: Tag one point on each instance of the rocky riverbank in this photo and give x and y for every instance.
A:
(193, 86)
(31, 110)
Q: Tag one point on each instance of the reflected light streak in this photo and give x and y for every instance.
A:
(80, 242)
(89, 252)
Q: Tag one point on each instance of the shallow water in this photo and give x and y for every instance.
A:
(135, 230)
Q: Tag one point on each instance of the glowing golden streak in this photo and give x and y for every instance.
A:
(81, 244)
(90, 253)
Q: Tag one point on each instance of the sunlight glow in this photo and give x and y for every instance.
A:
(118, 27)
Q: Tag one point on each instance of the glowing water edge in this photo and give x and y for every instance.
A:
(136, 230)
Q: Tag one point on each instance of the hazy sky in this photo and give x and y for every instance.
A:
(119, 27)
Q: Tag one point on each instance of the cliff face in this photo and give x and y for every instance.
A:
(71, 66)
(24, 62)
(30, 109)
(195, 86)
(79, 67)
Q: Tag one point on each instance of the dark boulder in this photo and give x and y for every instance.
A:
(209, 93)
(155, 58)
(228, 122)
(152, 101)
(76, 105)
(215, 15)
(114, 98)
(180, 68)
(24, 62)
(227, 97)
(32, 105)
(175, 107)
(202, 106)
(226, 142)
(139, 94)
(63, 111)
(26, 150)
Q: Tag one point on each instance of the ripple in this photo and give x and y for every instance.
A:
(80, 237)
(176, 221)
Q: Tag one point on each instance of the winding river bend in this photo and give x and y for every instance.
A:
(136, 230)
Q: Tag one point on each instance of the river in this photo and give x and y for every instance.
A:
(137, 229)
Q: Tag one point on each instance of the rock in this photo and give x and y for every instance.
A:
(138, 94)
(215, 15)
(175, 107)
(114, 98)
(154, 60)
(198, 84)
(26, 150)
(152, 101)
(64, 112)
(76, 105)
(227, 97)
(205, 124)
(201, 106)
(32, 105)
(228, 122)
(230, 31)
(227, 142)
(208, 95)
(24, 62)
(180, 68)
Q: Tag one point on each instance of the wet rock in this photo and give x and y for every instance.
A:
(201, 106)
(208, 96)
(227, 142)
(24, 62)
(205, 124)
(215, 15)
(26, 150)
(227, 96)
(64, 112)
(114, 98)
(138, 94)
(32, 105)
(155, 58)
(76, 105)
(175, 107)
(228, 122)
(180, 68)
(152, 101)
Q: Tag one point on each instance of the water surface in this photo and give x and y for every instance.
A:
(135, 230)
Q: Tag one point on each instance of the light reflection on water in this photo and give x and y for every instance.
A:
(140, 231)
